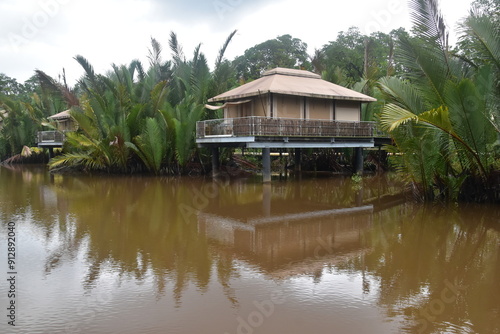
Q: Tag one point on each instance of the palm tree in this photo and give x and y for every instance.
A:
(181, 120)
(150, 144)
(441, 116)
(133, 118)
(18, 127)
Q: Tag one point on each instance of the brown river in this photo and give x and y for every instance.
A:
(119, 254)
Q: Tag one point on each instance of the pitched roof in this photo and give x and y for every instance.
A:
(62, 115)
(292, 82)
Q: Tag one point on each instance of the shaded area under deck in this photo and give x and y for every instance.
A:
(268, 133)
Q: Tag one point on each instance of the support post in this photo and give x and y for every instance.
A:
(266, 164)
(298, 160)
(51, 152)
(358, 160)
(215, 161)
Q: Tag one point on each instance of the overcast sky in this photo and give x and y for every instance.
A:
(47, 34)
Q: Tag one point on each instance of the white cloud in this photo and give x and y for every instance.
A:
(47, 34)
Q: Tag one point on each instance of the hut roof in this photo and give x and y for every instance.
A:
(60, 116)
(292, 82)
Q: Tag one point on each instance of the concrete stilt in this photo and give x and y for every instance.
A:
(266, 164)
(298, 160)
(358, 160)
(215, 161)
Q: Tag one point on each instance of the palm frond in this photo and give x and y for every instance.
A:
(47, 82)
(403, 94)
(177, 53)
(426, 68)
(482, 29)
(87, 67)
(86, 120)
(150, 146)
(154, 54)
(428, 22)
(394, 116)
(223, 49)
(77, 159)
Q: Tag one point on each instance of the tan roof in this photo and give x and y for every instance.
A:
(62, 115)
(292, 82)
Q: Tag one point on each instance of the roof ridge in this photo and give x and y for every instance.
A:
(291, 72)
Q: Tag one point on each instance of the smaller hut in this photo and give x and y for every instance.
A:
(63, 120)
(55, 138)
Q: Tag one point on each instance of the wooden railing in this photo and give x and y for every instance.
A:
(282, 127)
(50, 137)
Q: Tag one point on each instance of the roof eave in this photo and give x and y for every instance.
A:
(320, 96)
(235, 97)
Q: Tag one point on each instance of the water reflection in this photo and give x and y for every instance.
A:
(438, 266)
(428, 269)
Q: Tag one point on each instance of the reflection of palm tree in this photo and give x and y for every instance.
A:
(136, 239)
(417, 259)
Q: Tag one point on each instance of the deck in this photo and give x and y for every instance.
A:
(258, 132)
(50, 138)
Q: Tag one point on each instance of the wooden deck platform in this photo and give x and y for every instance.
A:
(259, 132)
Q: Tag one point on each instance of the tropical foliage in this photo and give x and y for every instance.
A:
(443, 111)
(133, 119)
(20, 117)
(353, 56)
(283, 51)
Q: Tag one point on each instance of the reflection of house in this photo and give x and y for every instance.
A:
(288, 228)
(55, 138)
(288, 235)
(288, 108)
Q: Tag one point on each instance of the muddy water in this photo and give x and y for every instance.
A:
(189, 255)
